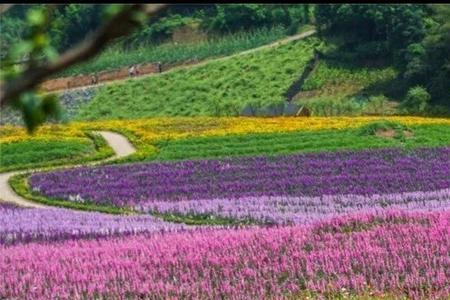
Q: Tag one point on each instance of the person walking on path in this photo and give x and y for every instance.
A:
(94, 79)
(132, 71)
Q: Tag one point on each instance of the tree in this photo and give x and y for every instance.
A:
(416, 100)
(19, 82)
(428, 62)
(396, 25)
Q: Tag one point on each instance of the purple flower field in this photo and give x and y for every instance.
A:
(301, 210)
(27, 224)
(385, 171)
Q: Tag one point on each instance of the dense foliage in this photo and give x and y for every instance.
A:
(415, 38)
(72, 22)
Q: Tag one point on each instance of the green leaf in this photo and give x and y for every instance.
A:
(36, 17)
(50, 53)
(31, 111)
(21, 48)
(112, 10)
(50, 106)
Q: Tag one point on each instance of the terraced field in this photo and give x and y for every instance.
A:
(272, 208)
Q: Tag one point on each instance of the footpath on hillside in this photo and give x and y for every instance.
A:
(119, 144)
(147, 69)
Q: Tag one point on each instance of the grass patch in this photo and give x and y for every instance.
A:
(334, 78)
(385, 128)
(338, 89)
(19, 155)
(44, 153)
(201, 219)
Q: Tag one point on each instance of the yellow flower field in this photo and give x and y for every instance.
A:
(145, 131)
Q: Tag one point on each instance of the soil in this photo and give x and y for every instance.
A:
(391, 133)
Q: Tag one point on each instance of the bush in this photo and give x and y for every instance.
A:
(416, 100)
(376, 105)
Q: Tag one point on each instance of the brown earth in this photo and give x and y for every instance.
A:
(391, 133)
(86, 80)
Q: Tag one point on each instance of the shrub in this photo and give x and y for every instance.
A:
(376, 105)
(416, 100)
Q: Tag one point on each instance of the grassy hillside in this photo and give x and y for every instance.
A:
(217, 88)
(341, 88)
(114, 57)
(332, 78)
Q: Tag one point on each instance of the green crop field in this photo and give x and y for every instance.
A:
(332, 78)
(218, 88)
(168, 53)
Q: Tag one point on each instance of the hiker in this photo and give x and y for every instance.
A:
(132, 71)
(159, 67)
(94, 79)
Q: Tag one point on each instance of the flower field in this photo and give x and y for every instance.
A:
(21, 225)
(148, 135)
(361, 173)
(394, 252)
(233, 208)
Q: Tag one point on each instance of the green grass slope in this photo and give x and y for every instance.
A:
(114, 57)
(218, 88)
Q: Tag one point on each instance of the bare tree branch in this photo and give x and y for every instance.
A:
(119, 25)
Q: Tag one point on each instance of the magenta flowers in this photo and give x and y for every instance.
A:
(393, 252)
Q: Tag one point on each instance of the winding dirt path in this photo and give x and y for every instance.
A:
(120, 145)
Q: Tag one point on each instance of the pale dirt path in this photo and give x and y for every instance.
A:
(120, 145)
(203, 62)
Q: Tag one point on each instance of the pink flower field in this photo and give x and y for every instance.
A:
(394, 252)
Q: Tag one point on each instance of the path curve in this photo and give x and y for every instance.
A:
(118, 143)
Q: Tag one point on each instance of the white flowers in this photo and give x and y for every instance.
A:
(76, 198)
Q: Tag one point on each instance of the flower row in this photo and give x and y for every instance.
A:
(361, 173)
(301, 210)
(155, 129)
(21, 225)
(391, 252)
